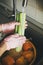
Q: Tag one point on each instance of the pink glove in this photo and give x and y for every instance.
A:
(14, 41)
(8, 27)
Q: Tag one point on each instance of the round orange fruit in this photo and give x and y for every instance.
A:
(28, 55)
(21, 61)
(27, 45)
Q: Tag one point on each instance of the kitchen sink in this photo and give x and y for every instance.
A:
(33, 33)
(37, 38)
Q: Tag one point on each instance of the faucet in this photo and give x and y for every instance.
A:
(24, 4)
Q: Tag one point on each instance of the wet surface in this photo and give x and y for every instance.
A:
(37, 40)
(31, 34)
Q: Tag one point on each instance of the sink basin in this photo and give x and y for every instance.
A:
(22, 54)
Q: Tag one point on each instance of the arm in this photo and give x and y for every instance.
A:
(16, 39)
(3, 48)
(0, 27)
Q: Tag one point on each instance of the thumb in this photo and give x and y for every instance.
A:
(17, 23)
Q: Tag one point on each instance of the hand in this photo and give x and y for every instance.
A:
(14, 41)
(9, 27)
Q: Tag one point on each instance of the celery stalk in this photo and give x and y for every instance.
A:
(17, 20)
(21, 28)
(22, 24)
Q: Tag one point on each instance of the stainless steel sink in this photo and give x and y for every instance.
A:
(36, 37)
(33, 32)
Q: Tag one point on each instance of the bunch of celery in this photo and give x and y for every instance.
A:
(21, 28)
(21, 18)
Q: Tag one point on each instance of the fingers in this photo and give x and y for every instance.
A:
(25, 22)
(17, 23)
(26, 25)
(17, 36)
(14, 41)
(11, 37)
(9, 27)
(22, 40)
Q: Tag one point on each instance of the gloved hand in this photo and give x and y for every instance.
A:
(11, 42)
(9, 27)
(14, 41)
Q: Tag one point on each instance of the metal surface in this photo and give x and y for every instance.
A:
(24, 4)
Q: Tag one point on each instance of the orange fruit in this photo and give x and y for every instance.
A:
(8, 60)
(21, 61)
(28, 55)
(27, 45)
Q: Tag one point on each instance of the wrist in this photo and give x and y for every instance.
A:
(3, 48)
(0, 28)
